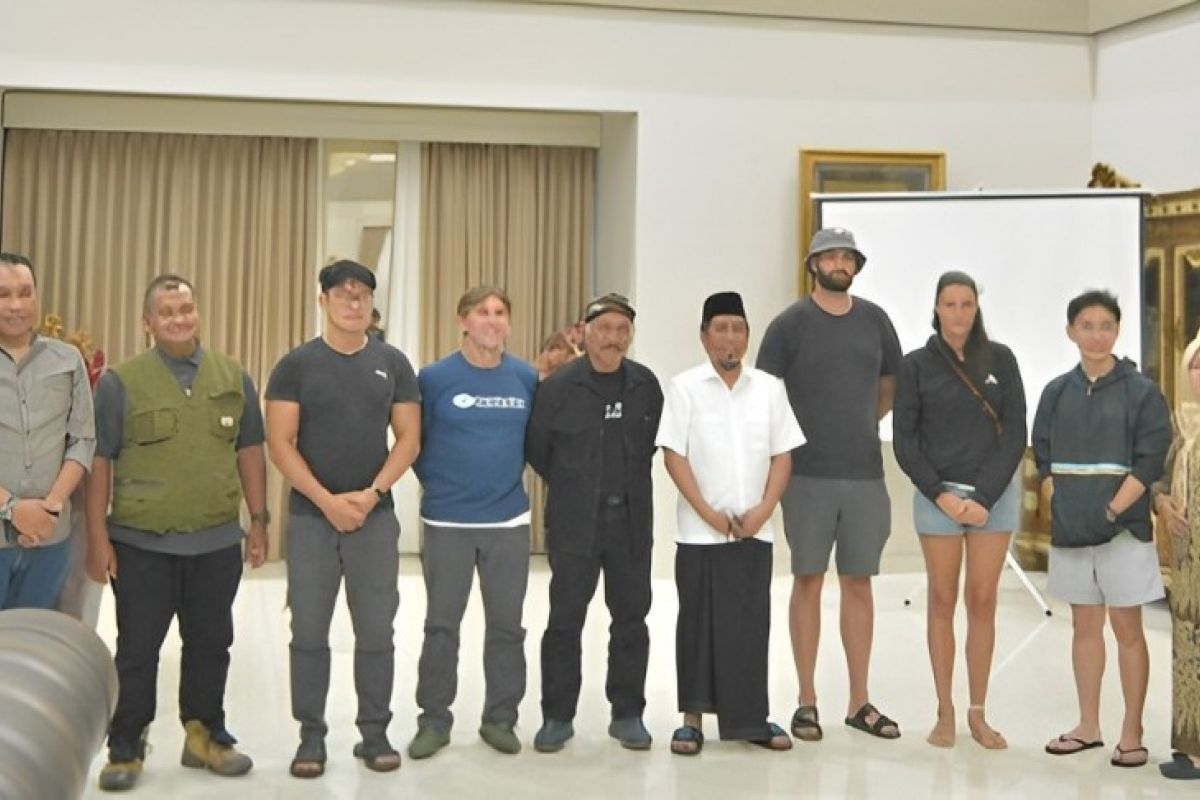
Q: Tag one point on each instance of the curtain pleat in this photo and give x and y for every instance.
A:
(101, 213)
(514, 216)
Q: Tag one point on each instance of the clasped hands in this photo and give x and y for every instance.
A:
(738, 526)
(962, 510)
(35, 520)
(348, 511)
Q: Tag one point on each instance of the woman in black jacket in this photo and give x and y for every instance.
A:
(959, 430)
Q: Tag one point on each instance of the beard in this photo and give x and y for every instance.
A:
(836, 281)
(729, 364)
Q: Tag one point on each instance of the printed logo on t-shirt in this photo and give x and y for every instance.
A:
(992, 380)
(381, 374)
(465, 400)
(612, 410)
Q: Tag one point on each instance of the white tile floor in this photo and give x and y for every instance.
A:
(1032, 699)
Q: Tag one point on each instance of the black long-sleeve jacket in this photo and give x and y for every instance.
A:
(564, 443)
(940, 430)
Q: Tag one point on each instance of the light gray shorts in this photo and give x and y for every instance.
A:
(854, 514)
(929, 520)
(1121, 572)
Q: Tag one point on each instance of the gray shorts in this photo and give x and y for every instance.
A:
(856, 514)
(1122, 572)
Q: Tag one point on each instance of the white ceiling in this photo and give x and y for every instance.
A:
(1078, 17)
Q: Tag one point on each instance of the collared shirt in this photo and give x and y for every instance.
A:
(110, 423)
(45, 419)
(728, 435)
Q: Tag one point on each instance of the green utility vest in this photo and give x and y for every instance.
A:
(177, 470)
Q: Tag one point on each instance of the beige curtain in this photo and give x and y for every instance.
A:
(102, 213)
(514, 216)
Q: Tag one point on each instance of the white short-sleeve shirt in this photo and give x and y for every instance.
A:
(728, 437)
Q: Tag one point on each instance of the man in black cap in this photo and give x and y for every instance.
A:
(591, 436)
(838, 356)
(727, 435)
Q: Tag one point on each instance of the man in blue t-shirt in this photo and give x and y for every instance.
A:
(475, 405)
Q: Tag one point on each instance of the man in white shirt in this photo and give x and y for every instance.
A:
(727, 433)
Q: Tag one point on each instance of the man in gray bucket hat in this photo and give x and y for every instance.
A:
(838, 356)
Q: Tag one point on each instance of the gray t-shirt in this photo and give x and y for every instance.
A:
(110, 431)
(831, 366)
(345, 411)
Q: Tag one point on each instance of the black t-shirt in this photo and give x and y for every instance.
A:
(345, 411)
(611, 386)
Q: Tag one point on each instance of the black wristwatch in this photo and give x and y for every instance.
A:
(6, 508)
(380, 493)
(263, 516)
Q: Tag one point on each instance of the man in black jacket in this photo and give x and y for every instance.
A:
(591, 436)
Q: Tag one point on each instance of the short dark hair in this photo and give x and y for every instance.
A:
(18, 260)
(339, 272)
(1093, 297)
(169, 282)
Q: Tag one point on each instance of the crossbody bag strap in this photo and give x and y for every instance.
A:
(962, 376)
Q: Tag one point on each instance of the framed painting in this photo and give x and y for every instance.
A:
(843, 171)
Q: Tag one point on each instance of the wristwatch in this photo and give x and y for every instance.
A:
(1109, 514)
(263, 516)
(380, 493)
(6, 509)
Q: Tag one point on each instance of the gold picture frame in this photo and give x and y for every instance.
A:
(842, 171)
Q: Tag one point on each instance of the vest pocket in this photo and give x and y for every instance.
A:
(226, 415)
(155, 425)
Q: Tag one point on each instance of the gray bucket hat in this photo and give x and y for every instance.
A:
(834, 239)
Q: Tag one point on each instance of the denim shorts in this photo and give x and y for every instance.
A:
(1004, 515)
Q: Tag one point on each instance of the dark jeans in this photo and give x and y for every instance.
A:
(31, 577)
(627, 595)
(150, 589)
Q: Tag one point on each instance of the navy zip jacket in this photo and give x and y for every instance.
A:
(940, 430)
(1089, 436)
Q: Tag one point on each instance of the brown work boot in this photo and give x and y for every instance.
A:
(119, 776)
(200, 750)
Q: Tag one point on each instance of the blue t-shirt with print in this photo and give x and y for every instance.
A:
(473, 440)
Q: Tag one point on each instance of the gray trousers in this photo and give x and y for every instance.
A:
(450, 557)
(318, 558)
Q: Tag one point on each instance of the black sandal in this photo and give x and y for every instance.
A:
(806, 724)
(777, 739)
(309, 761)
(378, 756)
(883, 727)
(690, 738)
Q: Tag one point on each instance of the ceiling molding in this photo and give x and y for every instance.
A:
(1073, 17)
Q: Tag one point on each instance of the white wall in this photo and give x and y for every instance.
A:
(1146, 115)
(723, 106)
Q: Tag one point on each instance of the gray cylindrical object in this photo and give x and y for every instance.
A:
(58, 691)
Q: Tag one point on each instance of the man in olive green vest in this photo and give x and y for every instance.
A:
(179, 441)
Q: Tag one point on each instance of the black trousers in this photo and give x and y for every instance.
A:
(150, 590)
(722, 633)
(626, 593)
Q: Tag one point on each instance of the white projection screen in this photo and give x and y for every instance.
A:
(1029, 253)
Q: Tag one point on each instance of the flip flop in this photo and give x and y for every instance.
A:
(880, 727)
(778, 739)
(1055, 747)
(1118, 757)
(687, 741)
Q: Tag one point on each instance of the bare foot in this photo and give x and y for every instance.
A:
(987, 736)
(943, 733)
